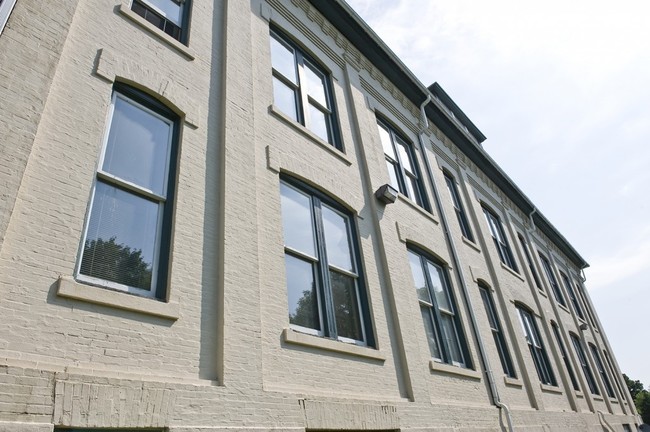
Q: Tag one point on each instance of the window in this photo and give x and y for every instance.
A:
(583, 296)
(500, 240)
(537, 351)
(550, 276)
(586, 370)
(626, 428)
(615, 376)
(400, 160)
(128, 230)
(529, 261)
(5, 10)
(565, 357)
(497, 332)
(170, 16)
(303, 90)
(572, 295)
(601, 370)
(458, 207)
(324, 286)
(438, 308)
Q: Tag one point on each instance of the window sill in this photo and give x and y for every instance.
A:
(454, 370)
(291, 336)
(579, 394)
(512, 272)
(471, 244)
(564, 308)
(406, 200)
(126, 12)
(275, 111)
(598, 397)
(72, 289)
(542, 293)
(512, 382)
(550, 389)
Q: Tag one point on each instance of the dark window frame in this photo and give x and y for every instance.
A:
(160, 269)
(435, 312)
(156, 18)
(565, 356)
(600, 367)
(584, 364)
(552, 280)
(398, 165)
(302, 100)
(457, 202)
(497, 331)
(529, 261)
(500, 239)
(536, 346)
(572, 295)
(325, 305)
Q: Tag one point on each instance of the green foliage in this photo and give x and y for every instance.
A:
(105, 259)
(640, 396)
(642, 402)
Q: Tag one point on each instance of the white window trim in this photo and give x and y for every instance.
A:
(5, 10)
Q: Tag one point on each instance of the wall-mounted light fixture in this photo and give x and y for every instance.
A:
(386, 194)
(583, 326)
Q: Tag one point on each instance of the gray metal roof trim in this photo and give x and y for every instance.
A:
(438, 91)
(355, 29)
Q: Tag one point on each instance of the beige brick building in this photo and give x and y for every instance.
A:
(249, 215)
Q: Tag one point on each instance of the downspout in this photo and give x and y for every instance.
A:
(532, 221)
(424, 125)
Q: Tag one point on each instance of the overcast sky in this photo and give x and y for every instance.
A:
(561, 90)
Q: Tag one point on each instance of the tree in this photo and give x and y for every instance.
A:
(642, 402)
(108, 260)
(635, 387)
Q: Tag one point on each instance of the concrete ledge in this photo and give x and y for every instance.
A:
(25, 427)
(72, 289)
(275, 111)
(126, 11)
(550, 389)
(512, 382)
(406, 200)
(293, 337)
(471, 244)
(454, 370)
(512, 272)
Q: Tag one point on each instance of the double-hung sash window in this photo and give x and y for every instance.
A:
(601, 370)
(326, 294)
(127, 236)
(458, 207)
(536, 347)
(550, 276)
(438, 308)
(529, 261)
(303, 90)
(565, 357)
(572, 295)
(6, 7)
(170, 16)
(497, 332)
(586, 370)
(500, 240)
(400, 161)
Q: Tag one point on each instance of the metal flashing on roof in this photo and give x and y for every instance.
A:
(352, 26)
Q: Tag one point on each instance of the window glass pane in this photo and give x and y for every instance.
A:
(301, 291)
(283, 59)
(412, 189)
(418, 278)
(449, 333)
(121, 241)
(284, 98)
(438, 287)
(405, 157)
(346, 306)
(137, 147)
(297, 221)
(168, 8)
(434, 347)
(315, 84)
(488, 309)
(337, 242)
(392, 173)
(386, 143)
(318, 123)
